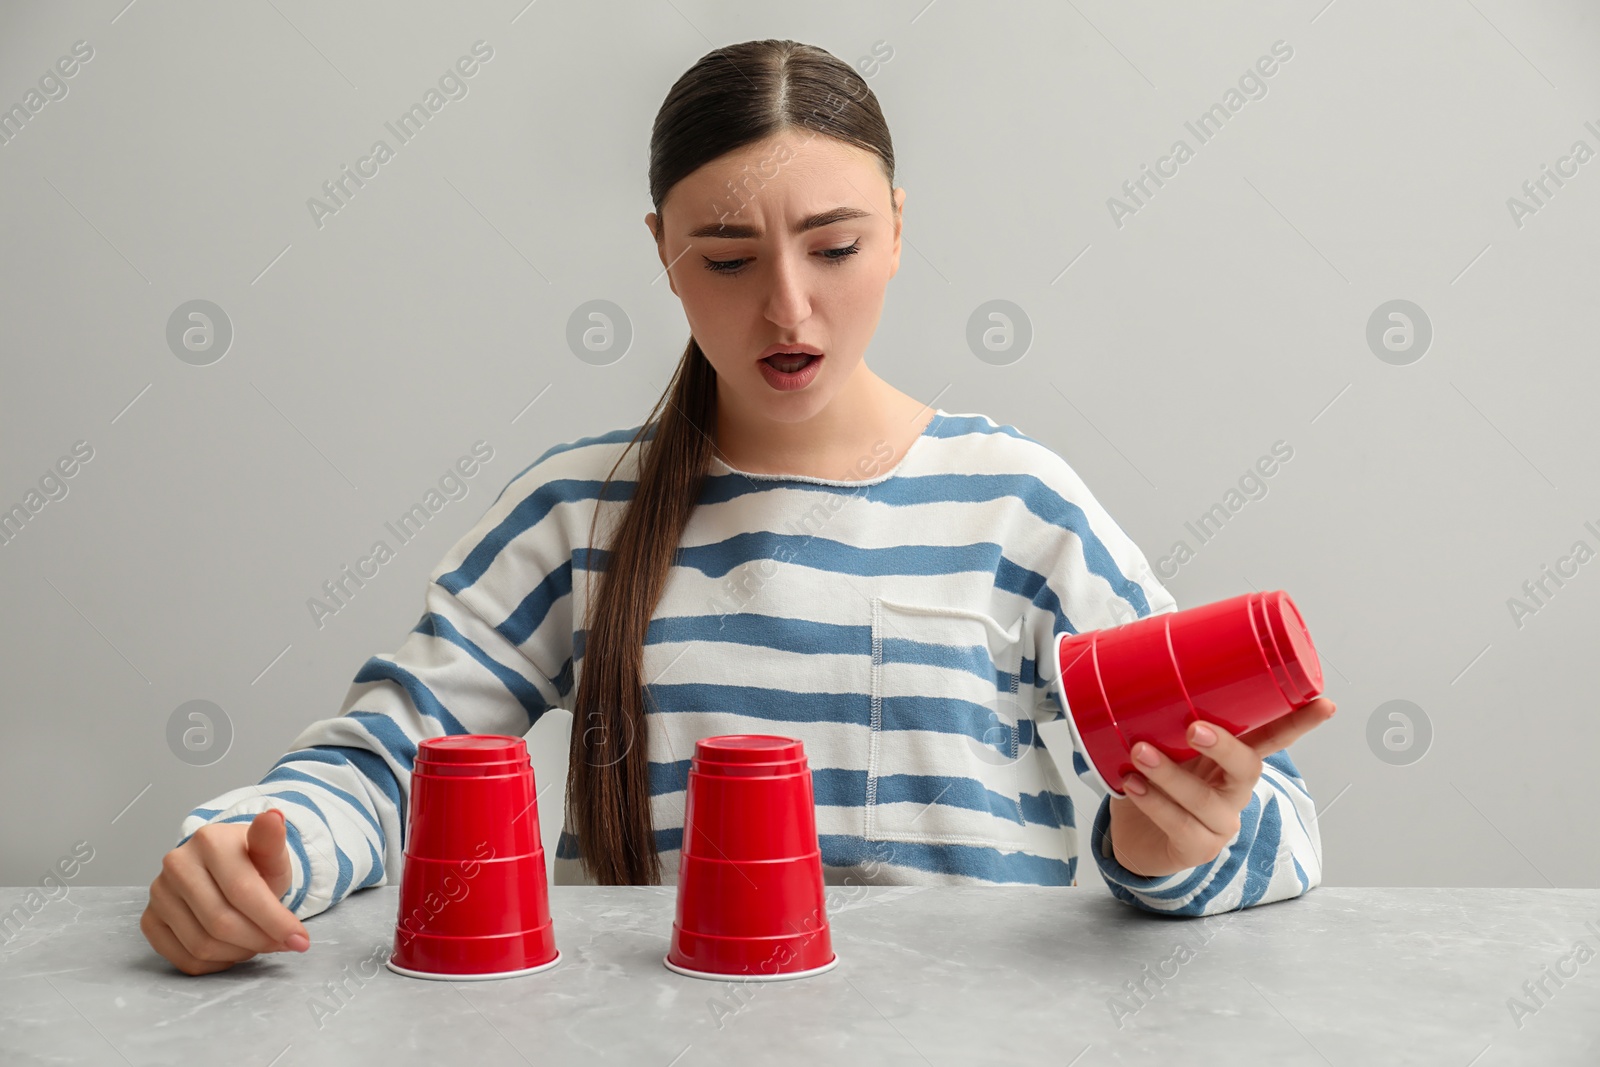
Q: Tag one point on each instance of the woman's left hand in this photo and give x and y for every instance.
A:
(1188, 811)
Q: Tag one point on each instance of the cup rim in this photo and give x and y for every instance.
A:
(739, 976)
(1097, 778)
(446, 976)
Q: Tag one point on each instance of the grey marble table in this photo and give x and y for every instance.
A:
(926, 976)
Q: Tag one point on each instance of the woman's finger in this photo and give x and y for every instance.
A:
(245, 887)
(1238, 762)
(1283, 732)
(192, 880)
(1182, 829)
(195, 939)
(1206, 803)
(164, 941)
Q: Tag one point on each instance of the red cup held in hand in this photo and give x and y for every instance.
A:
(750, 897)
(474, 898)
(1239, 663)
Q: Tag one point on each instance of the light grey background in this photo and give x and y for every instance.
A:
(1168, 353)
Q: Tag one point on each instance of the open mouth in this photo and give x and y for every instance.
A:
(791, 367)
(790, 362)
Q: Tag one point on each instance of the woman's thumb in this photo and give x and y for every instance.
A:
(266, 843)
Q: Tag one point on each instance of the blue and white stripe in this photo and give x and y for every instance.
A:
(901, 626)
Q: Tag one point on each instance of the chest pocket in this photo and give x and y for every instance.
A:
(954, 755)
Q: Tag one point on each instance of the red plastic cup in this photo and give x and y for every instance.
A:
(1290, 652)
(1088, 714)
(750, 898)
(474, 899)
(1139, 680)
(1240, 663)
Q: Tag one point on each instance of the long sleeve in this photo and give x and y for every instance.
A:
(1100, 578)
(1276, 854)
(344, 789)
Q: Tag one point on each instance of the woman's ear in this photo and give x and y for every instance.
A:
(651, 221)
(899, 205)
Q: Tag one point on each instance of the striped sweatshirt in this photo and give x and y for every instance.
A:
(900, 625)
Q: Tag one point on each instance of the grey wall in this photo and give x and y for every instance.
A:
(1170, 349)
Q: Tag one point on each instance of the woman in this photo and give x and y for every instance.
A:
(792, 546)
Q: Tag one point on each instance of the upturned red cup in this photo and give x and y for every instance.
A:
(1239, 663)
(474, 899)
(750, 894)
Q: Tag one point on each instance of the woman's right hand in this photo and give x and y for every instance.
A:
(216, 901)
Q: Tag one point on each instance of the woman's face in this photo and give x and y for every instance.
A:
(789, 241)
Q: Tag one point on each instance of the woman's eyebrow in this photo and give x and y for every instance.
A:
(734, 231)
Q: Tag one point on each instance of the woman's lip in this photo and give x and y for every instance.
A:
(772, 350)
(787, 381)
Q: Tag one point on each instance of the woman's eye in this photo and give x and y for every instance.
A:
(831, 255)
(838, 255)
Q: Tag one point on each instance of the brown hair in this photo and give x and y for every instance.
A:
(731, 97)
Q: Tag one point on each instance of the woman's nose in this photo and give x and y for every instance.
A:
(788, 299)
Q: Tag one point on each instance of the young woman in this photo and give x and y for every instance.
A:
(790, 545)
